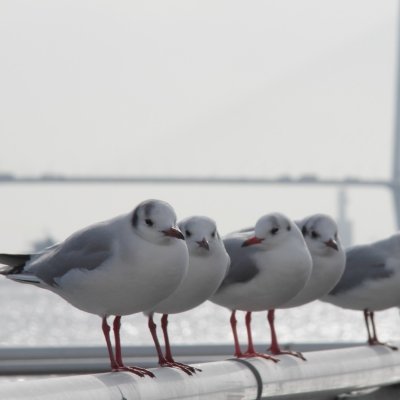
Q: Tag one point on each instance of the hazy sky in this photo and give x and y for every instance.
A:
(198, 87)
(220, 87)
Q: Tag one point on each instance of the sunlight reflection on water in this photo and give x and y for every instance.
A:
(36, 317)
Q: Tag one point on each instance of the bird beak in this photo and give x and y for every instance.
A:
(174, 232)
(251, 241)
(204, 244)
(332, 244)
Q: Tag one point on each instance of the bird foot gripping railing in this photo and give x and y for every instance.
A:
(326, 374)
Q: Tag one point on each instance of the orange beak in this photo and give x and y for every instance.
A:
(251, 241)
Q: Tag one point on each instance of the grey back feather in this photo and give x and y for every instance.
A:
(86, 249)
(363, 263)
(242, 266)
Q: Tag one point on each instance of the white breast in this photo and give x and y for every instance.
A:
(204, 276)
(326, 273)
(283, 273)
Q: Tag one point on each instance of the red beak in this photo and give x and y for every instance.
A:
(173, 232)
(251, 241)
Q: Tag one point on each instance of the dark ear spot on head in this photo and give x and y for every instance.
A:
(135, 218)
(289, 228)
(148, 208)
(304, 230)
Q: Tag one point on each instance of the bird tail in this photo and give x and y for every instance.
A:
(13, 263)
(24, 278)
(13, 268)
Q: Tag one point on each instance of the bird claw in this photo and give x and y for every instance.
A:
(189, 367)
(375, 342)
(183, 367)
(142, 372)
(289, 353)
(252, 354)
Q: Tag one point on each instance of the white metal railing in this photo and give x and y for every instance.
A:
(73, 360)
(324, 375)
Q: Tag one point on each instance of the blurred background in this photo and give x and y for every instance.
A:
(286, 89)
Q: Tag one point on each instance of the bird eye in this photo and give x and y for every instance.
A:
(274, 231)
(213, 234)
(314, 234)
(188, 233)
(149, 222)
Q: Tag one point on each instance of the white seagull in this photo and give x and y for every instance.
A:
(321, 235)
(320, 232)
(122, 266)
(370, 282)
(208, 264)
(268, 267)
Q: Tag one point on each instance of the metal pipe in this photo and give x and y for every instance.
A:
(68, 360)
(396, 144)
(196, 180)
(219, 380)
(324, 375)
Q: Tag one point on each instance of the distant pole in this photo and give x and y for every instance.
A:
(396, 154)
(344, 224)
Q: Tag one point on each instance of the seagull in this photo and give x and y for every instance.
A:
(208, 264)
(321, 235)
(320, 232)
(268, 267)
(121, 266)
(370, 281)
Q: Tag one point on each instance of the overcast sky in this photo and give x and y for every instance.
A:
(216, 87)
(199, 87)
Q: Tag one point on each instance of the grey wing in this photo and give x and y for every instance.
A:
(363, 263)
(249, 229)
(242, 267)
(243, 230)
(86, 249)
(301, 222)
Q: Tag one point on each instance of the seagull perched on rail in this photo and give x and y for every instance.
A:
(370, 282)
(122, 266)
(208, 264)
(321, 235)
(269, 266)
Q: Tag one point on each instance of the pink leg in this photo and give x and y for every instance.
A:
(118, 353)
(275, 348)
(106, 332)
(233, 321)
(168, 352)
(250, 348)
(161, 359)
(366, 319)
(164, 326)
(373, 339)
